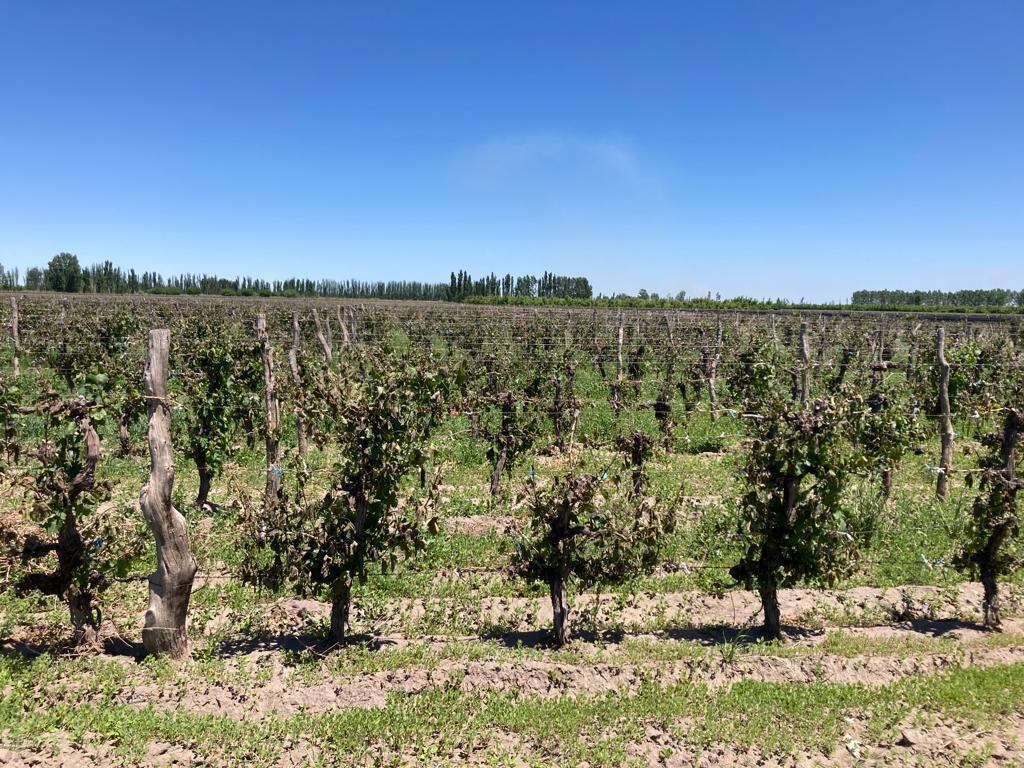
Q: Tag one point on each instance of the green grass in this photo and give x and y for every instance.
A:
(776, 718)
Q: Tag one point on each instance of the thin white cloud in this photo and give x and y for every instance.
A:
(506, 158)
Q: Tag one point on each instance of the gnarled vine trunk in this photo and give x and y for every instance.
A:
(69, 547)
(124, 436)
(499, 459)
(558, 588)
(558, 573)
(205, 476)
(1009, 486)
(769, 594)
(341, 600)
(341, 592)
(497, 469)
(84, 617)
(767, 567)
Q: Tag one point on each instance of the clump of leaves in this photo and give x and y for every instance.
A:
(989, 545)
(596, 528)
(377, 410)
(886, 430)
(792, 520)
(10, 396)
(217, 384)
(75, 543)
(511, 410)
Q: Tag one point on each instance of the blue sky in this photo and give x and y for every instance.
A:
(798, 149)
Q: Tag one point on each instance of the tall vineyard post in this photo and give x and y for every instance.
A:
(346, 340)
(712, 356)
(805, 365)
(293, 364)
(170, 586)
(273, 413)
(617, 389)
(15, 337)
(325, 342)
(945, 419)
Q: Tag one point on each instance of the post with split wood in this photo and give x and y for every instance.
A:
(712, 354)
(293, 364)
(346, 342)
(945, 419)
(170, 586)
(617, 389)
(805, 365)
(326, 345)
(273, 411)
(15, 337)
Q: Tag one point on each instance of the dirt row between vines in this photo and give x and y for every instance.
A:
(280, 687)
(939, 742)
(672, 611)
(281, 691)
(916, 632)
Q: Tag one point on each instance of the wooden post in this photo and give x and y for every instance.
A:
(945, 419)
(273, 412)
(15, 336)
(325, 342)
(805, 365)
(345, 340)
(170, 586)
(711, 359)
(293, 364)
(353, 326)
(617, 404)
(670, 353)
(912, 352)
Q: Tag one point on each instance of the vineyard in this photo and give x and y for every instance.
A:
(324, 532)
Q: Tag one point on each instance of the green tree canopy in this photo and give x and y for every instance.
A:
(63, 273)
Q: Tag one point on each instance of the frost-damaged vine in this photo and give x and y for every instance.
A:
(595, 527)
(793, 522)
(217, 383)
(76, 543)
(990, 545)
(377, 411)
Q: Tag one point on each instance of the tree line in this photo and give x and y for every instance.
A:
(993, 297)
(65, 274)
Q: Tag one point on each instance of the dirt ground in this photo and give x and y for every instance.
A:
(261, 679)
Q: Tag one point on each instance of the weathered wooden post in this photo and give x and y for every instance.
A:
(617, 399)
(711, 359)
(805, 365)
(945, 419)
(325, 342)
(15, 336)
(293, 364)
(273, 412)
(346, 341)
(170, 586)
